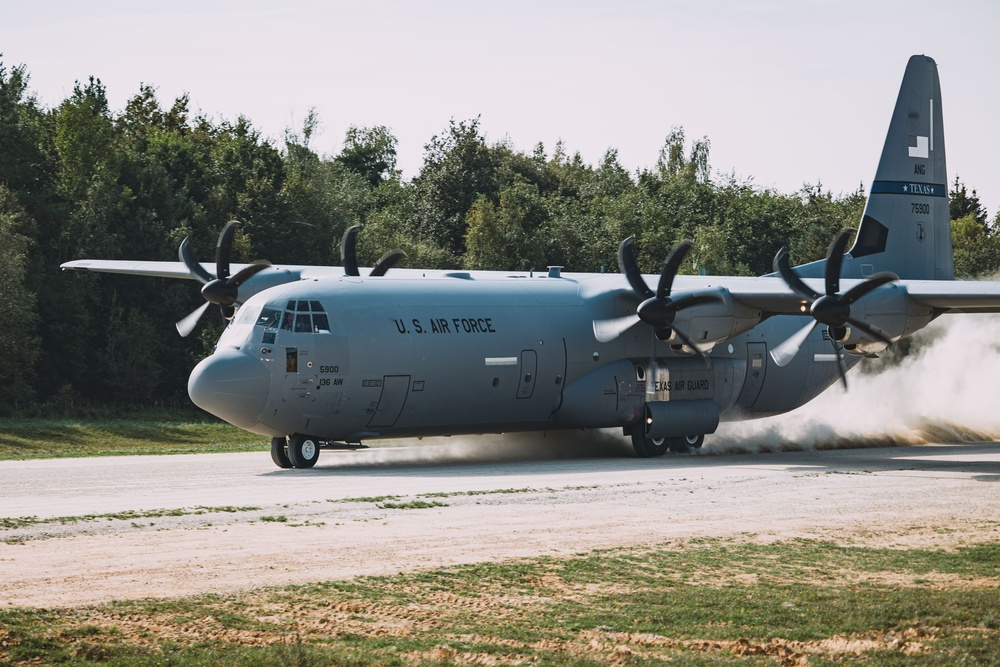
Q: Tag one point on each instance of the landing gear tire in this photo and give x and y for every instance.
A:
(303, 451)
(645, 447)
(686, 443)
(279, 452)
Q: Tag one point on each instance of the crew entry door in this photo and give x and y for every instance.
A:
(756, 367)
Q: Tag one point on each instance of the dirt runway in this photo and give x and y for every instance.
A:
(81, 531)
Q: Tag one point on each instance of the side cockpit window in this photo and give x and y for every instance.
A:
(303, 316)
(269, 318)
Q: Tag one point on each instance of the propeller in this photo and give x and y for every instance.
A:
(658, 308)
(349, 258)
(221, 289)
(833, 308)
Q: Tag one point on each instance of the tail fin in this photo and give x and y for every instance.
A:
(906, 227)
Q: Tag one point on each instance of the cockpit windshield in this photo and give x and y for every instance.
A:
(300, 316)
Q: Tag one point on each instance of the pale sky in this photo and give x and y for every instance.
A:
(788, 92)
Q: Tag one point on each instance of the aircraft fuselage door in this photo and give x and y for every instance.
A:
(529, 368)
(756, 367)
(390, 403)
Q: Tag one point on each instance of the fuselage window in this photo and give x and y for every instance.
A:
(320, 323)
(287, 320)
(302, 324)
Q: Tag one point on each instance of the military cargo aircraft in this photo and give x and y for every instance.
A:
(332, 356)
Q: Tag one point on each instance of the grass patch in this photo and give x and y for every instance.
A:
(127, 515)
(705, 602)
(141, 433)
(363, 499)
(412, 505)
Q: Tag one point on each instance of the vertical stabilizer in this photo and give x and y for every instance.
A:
(906, 227)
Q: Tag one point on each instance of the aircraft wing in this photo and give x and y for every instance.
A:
(963, 296)
(133, 268)
(771, 295)
(179, 270)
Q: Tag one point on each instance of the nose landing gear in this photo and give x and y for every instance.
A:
(295, 451)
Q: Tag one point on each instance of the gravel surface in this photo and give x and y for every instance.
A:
(82, 531)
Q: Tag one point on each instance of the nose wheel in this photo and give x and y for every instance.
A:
(279, 452)
(295, 451)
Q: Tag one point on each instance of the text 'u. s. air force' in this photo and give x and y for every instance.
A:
(446, 325)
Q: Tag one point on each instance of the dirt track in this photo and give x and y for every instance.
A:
(391, 510)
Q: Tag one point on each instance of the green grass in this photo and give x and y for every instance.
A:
(412, 505)
(156, 432)
(127, 515)
(703, 602)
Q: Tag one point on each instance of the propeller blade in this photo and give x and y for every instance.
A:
(387, 261)
(791, 278)
(247, 272)
(670, 268)
(606, 331)
(348, 251)
(224, 249)
(691, 344)
(787, 350)
(186, 255)
(858, 291)
(835, 259)
(652, 373)
(628, 266)
(841, 366)
(186, 326)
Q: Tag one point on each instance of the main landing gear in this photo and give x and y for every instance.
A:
(646, 447)
(295, 451)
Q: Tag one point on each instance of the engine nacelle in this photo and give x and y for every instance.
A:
(712, 323)
(891, 311)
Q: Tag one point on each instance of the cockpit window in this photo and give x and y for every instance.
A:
(269, 318)
(246, 316)
(302, 316)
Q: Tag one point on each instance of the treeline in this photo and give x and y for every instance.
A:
(81, 180)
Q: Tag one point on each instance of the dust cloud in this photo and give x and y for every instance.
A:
(945, 391)
(494, 448)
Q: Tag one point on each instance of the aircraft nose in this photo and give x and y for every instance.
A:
(231, 385)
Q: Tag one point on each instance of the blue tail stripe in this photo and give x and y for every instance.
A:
(905, 188)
